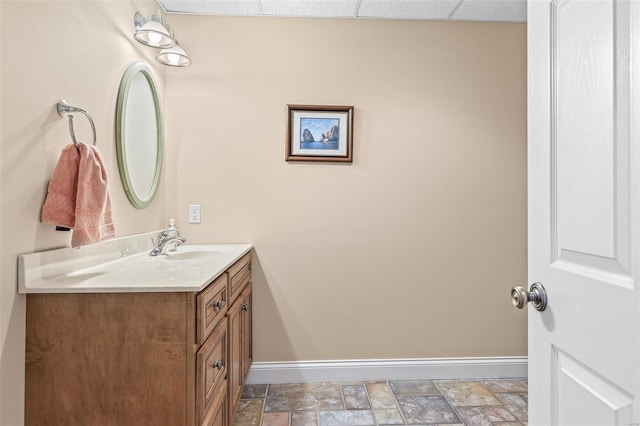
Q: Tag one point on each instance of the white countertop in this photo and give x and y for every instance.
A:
(117, 268)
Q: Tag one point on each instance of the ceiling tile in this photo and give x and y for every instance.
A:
(315, 8)
(407, 9)
(213, 7)
(492, 10)
(467, 10)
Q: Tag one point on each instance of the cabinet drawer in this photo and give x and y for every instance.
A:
(212, 304)
(218, 414)
(211, 371)
(240, 275)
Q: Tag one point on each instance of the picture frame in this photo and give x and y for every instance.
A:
(321, 133)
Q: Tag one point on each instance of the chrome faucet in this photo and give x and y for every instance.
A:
(164, 242)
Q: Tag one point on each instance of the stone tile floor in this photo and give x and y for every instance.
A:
(401, 402)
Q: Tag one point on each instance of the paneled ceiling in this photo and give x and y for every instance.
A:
(448, 10)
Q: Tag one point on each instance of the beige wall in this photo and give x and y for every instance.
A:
(409, 252)
(76, 51)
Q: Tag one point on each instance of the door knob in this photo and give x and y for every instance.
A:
(537, 295)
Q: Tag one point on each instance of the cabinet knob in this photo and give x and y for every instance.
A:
(218, 304)
(218, 364)
(245, 307)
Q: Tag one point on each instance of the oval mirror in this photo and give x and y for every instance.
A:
(139, 136)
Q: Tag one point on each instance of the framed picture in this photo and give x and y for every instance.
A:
(319, 133)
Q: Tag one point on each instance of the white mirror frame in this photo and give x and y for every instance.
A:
(138, 143)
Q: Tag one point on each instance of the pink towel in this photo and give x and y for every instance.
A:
(93, 204)
(89, 202)
(60, 205)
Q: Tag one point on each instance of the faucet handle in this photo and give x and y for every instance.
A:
(161, 238)
(163, 235)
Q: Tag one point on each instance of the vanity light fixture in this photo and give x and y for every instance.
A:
(174, 56)
(153, 32)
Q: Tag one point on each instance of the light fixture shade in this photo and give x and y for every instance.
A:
(174, 56)
(153, 32)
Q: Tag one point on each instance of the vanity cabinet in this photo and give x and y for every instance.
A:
(139, 358)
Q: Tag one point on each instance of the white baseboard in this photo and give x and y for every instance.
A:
(387, 369)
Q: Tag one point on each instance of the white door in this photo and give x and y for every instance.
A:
(584, 211)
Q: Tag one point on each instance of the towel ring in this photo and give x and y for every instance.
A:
(65, 109)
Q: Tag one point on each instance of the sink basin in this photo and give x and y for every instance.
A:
(190, 255)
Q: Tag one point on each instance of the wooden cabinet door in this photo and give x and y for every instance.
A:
(247, 348)
(240, 346)
(234, 377)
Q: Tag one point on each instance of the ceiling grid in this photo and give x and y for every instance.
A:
(441, 10)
